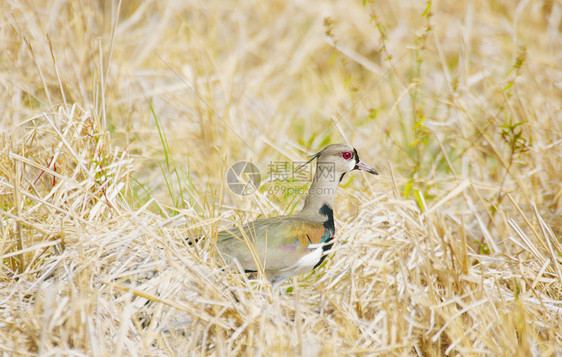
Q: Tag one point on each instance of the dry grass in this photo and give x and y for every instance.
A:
(118, 123)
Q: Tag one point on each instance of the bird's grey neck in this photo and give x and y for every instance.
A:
(320, 197)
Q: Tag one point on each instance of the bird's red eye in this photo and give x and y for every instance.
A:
(347, 155)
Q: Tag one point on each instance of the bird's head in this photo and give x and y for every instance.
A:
(342, 158)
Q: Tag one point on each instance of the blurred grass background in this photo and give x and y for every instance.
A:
(124, 117)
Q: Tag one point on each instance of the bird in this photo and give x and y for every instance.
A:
(285, 246)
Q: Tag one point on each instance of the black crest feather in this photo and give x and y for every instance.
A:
(306, 163)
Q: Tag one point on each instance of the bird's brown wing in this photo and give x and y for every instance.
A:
(275, 243)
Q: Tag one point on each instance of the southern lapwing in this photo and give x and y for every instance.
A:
(285, 246)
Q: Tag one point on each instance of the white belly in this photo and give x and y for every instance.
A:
(306, 263)
(303, 265)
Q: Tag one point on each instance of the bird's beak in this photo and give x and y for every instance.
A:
(360, 165)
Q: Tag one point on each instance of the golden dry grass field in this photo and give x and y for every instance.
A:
(119, 121)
